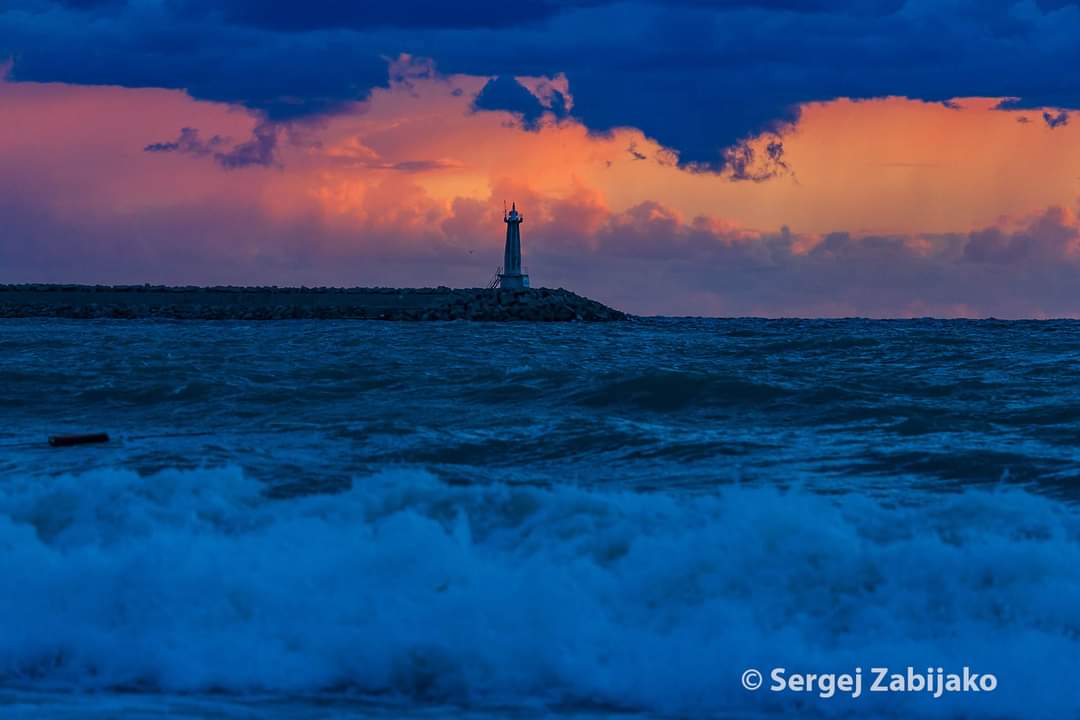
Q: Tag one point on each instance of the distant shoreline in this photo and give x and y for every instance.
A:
(285, 303)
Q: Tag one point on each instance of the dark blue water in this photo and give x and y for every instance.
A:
(321, 519)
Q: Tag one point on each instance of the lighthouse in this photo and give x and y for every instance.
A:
(511, 276)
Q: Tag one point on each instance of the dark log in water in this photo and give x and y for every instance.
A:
(282, 303)
(84, 439)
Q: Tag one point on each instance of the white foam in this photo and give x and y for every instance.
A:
(193, 580)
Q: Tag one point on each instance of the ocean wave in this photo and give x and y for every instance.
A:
(670, 390)
(819, 345)
(404, 586)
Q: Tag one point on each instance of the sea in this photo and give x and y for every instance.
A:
(321, 519)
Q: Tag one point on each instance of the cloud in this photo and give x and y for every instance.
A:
(552, 92)
(188, 143)
(697, 76)
(1052, 121)
(504, 93)
(648, 258)
(1024, 271)
(418, 166)
(745, 162)
(159, 44)
(896, 215)
(288, 16)
(258, 151)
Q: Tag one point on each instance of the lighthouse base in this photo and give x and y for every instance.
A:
(513, 282)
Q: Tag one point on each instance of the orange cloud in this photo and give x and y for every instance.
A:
(407, 188)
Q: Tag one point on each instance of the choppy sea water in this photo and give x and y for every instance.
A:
(364, 519)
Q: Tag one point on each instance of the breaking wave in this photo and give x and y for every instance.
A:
(404, 586)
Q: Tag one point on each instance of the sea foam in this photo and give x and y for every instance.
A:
(406, 587)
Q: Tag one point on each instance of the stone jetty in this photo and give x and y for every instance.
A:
(283, 303)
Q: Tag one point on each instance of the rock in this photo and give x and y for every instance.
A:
(277, 303)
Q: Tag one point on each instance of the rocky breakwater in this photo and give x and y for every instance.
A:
(277, 303)
(538, 305)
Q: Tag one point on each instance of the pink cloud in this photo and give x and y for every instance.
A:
(407, 189)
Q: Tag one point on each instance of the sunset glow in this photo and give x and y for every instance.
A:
(408, 183)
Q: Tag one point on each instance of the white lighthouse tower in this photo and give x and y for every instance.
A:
(511, 275)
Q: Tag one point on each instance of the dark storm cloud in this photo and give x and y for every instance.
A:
(699, 76)
(1055, 120)
(188, 143)
(146, 44)
(258, 151)
(506, 93)
(91, 4)
(350, 14)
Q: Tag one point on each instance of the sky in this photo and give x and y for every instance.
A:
(880, 158)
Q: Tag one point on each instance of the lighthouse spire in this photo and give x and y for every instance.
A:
(512, 276)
